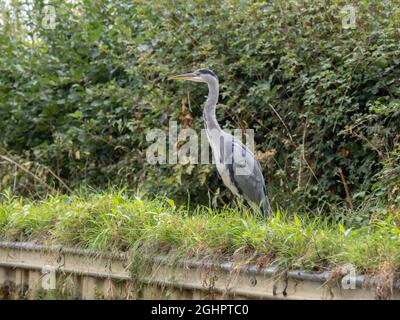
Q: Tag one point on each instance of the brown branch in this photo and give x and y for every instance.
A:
(346, 188)
(284, 124)
(59, 179)
(294, 143)
(41, 181)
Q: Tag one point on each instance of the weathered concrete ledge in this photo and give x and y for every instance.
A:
(27, 269)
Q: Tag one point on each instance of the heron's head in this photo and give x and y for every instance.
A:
(201, 75)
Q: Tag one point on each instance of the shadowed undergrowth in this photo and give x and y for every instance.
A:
(116, 221)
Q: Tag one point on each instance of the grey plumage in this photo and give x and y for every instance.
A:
(236, 164)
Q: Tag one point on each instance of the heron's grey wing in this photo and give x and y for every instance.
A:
(245, 171)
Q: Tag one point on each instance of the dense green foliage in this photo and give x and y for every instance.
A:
(78, 100)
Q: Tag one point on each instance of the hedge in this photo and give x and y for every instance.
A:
(78, 100)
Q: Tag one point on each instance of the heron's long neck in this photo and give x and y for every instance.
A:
(210, 118)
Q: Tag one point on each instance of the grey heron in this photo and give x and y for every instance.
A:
(236, 164)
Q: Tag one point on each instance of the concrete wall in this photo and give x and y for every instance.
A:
(30, 271)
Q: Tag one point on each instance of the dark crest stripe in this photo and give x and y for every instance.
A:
(207, 71)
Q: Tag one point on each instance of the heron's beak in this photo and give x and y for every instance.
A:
(185, 76)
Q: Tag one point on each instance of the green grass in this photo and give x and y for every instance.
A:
(116, 221)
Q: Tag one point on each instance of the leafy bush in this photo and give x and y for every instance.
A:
(80, 99)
